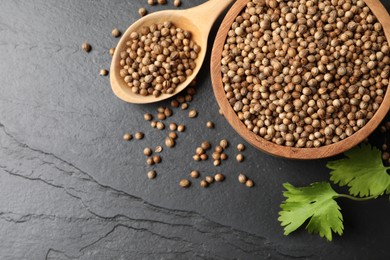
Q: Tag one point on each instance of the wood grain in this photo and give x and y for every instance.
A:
(269, 147)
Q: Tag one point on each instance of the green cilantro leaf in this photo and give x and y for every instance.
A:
(315, 202)
(362, 170)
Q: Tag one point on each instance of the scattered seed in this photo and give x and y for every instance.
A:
(240, 147)
(86, 47)
(177, 3)
(203, 157)
(151, 2)
(103, 72)
(184, 106)
(223, 156)
(194, 174)
(172, 126)
(160, 125)
(151, 174)
(193, 113)
(115, 32)
(168, 112)
(180, 99)
(172, 135)
(249, 183)
(169, 142)
(382, 129)
(210, 124)
(216, 155)
(160, 109)
(220, 112)
(196, 157)
(384, 147)
(239, 157)
(161, 116)
(224, 143)
(158, 149)
(387, 125)
(147, 151)
(242, 178)
(153, 124)
(219, 177)
(184, 183)
(205, 145)
(142, 11)
(139, 135)
(199, 151)
(188, 98)
(209, 179)
(112, 51)
(127, 137)
(149, 161)
(148, 117)
(181, 128)
(204, 184)
(218, 149)
(156, 159)
(385, 156)
(174, 103)
(161, 2)
(216, 162)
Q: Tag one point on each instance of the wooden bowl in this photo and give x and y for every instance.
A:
(269, 147)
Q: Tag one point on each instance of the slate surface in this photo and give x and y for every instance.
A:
(70, 188)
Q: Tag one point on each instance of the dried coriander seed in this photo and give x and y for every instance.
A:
(209, 179)
(158, 149)
(199, 151)
(210, 124)
(156, 159)
(216, 162)
(111, 51)
(242, 178)
(169, 142)
(181, 128)
(127, 137)
(103, 72)
(148, 117)
(240, 147)
(206, 145)
(223, 156)
(172, 126)
(203, 157)
(192, 113)
(249, 183)
(115, 32)
(139, 135)
(172, 135)
(184, 106)
(168, 112)
(204, 184)
(196, 157)
(177, 3)
(239, 157)
(161, 116)
(160, 125)
(161, 2)
(218, 149)
(194, 174)
(174, 103)
(184, 183)
(86, 47)
(219, 177)
(151, 2)
(152, 174)
(153, 124)
(149, 161)
(224, 143)
(147, 151)
(142, 11)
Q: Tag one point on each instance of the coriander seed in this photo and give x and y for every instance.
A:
(218, 149)
(158, 149)
(193, 113)
(139, 135)
(151, 2)
(240, 147)
(224, 143)
(153, 124)
(239, 157)
(177, 3)
(199, 151)
(149, 161)
(161, 116)
(205, 145)
(152, 174)
(161, 2)
(172, 135)
(172, 126)
(169, 142)
(210, 124)
(209, 179)
(127, 137)
(223, 156)
(174, 103)
(111, 51)
(219, 177)
(242, 178)
(86, 47)
(196, 157)
(103, 72)
(142, 11)
(249, 183)
(156, 159)
(160, 125)
(115, 32)
(216, 162)
(148, 117)
(184, 106)
(204, 184)
(184, 183)
(181, 128)
(147, 151)
(203, 157)
(194, 174)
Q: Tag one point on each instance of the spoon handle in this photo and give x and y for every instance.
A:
(204, 15)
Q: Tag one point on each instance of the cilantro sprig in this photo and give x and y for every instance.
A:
(362, 171)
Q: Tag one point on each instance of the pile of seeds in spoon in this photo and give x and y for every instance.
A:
(158, 58)
(305, 73)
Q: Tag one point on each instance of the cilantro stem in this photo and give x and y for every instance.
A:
(356, 198)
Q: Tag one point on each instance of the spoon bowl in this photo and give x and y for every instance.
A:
(197, 20)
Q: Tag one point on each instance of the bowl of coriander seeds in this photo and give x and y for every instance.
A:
(303, 79)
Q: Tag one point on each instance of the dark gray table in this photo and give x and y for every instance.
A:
(70, 188)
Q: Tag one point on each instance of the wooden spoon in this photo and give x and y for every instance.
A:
(198, 20)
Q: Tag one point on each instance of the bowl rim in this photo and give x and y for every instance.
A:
(267, 146)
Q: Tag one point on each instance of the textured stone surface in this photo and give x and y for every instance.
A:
(70, 188)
